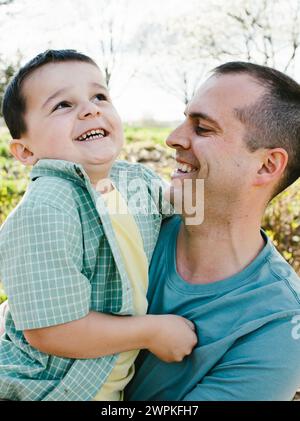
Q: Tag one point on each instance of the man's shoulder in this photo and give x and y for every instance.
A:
(283, 273)
(166, 241)
(169, 225)
(276, 280)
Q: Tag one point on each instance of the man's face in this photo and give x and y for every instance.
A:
(210, 142)
(70, 116)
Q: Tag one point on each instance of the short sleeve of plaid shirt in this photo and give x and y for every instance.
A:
(44, 267)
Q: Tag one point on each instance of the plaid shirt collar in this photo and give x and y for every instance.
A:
(65, 169)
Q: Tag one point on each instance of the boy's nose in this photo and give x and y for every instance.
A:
(88, 110)
(179, 138)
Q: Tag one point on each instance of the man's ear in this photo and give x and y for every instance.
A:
(273, 166)
(21, 152)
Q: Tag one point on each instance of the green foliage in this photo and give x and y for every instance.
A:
(282, 223)
(14, 179)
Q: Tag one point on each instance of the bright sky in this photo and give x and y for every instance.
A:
(32, 26)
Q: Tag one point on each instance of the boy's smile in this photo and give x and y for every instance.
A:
(91, 135)
(69, 116)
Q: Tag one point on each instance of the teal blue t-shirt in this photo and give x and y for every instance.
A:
(248, 328)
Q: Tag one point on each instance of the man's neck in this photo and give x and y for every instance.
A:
(214, 251)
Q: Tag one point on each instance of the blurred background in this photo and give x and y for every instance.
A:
(154, 54)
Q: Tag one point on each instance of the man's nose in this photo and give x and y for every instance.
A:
(88, 110)
(179, 138)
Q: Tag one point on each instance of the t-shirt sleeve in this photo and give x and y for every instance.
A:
(262, 366)
(41, 263)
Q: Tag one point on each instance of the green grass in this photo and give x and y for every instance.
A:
(156, 135)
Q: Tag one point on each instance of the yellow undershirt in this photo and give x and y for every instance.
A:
(135, 261)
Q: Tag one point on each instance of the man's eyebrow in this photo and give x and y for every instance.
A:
(203, 116)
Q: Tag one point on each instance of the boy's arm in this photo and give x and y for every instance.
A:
(100, 334)
(49, 297)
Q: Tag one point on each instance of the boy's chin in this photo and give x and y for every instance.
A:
(97, 170)
(98, 165)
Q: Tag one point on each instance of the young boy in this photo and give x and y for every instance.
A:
(75, 271)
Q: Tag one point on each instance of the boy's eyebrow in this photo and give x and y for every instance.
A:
(61, 91)
(98, 85)
(57, 93)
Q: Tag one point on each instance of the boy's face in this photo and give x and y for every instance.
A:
(65, 103)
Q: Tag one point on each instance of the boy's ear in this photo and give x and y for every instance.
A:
(273, 166)
(21, 152)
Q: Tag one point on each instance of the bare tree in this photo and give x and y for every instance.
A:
(179, 55)
(263, 31)
(4, 2)
(114, 28)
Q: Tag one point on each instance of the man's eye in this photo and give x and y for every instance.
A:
(202, 130)
(62, 104)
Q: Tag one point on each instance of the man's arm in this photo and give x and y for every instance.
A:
(262, 366)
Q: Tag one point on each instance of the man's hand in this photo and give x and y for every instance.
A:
(173, 338)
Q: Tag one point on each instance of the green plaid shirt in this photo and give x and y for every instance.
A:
(58, 260)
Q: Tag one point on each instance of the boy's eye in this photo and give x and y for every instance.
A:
(60, 105)
(101, 97)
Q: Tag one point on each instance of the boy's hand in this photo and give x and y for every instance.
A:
(173, 338)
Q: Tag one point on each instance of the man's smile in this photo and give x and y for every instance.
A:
(183, 167)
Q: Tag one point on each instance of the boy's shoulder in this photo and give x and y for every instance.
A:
(50, 192)
(134, 169)
(48, 202)
(50, 189)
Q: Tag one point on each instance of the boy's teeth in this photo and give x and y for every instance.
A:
(92, 134)
(184, 167)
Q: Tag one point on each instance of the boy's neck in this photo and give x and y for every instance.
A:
(103, 186)
(100, 181)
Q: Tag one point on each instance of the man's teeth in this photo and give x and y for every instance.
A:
(185, 167)
(92, 134)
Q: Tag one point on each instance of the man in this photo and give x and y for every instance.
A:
(241, 135)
